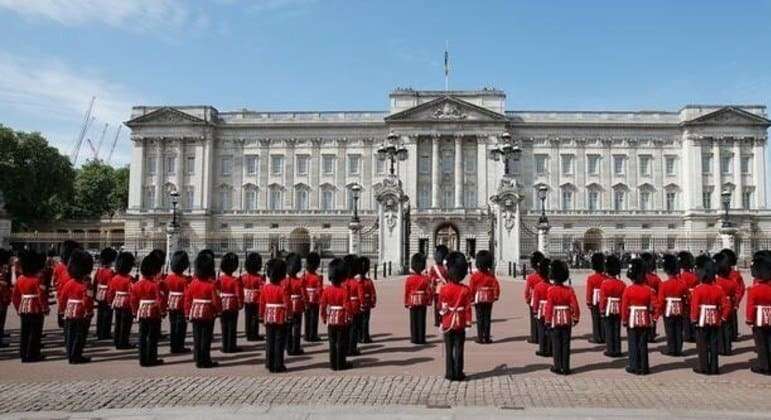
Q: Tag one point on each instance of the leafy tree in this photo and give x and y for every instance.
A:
(120, 193)
(94, 186)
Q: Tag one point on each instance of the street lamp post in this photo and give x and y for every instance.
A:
(543, 222)
(727, 229)
(172, 230)
(392, 151)
(725, 197)
(354, 227)
(508, 151)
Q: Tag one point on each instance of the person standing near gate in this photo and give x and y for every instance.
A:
(314, 286)
(532, 280)
(685, 261)
(455, 309)
(759, 311)
(638, 309)
(593, 284)
(539, 299)
(101, 280)
(485, 290)
(732, 292)
(709, 309)
(148, 306)
(673, 295)
(202, 306)
(417, 297)
(438, 276)
(118, 297)
(253, 282)
(561, 315)
(611, 292)
(335, 312)
(31, 302)
(274, 306)
(176, 284)
(295, 286)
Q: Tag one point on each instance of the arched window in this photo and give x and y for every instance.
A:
(647, 195)
(568, 194)
(671, 197)
(225, 197)
(301, 194)
(619, 197)
(275, 197)
(327, 197)
(594, 197)
(251, 194)
(166, 195)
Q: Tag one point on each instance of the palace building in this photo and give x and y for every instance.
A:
(616, 180)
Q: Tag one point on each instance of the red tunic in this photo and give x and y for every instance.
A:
(455, 306)
(175, 285)
(5, 289)
(730, 289)
(203, 290)
(369, 299)
(539, 295)
(638, 295)
(335, 296)
(709, 294)
(101, 280)
(757, 295)
(295, 287)
(355, 294)
(61, 276)
(558, 296)
(611, 288)
(532, 280)
(653, 281)
(670, 290)
(76, 290)
(484, 287)
(438, 276)
(314, 286)
(417, 287)
(690, 279)
(147, 294)
(28, 287)
(231, 293)
(252, 284)
(594, 282)
(273, 294)
(736, 276)
(119, 283)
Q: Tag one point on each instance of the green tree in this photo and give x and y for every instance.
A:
(119, 196)
(94, 188)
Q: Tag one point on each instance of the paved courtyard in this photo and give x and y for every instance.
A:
(505, 376)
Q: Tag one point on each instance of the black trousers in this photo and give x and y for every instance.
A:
(202, 336)
(484, 313)
(762, 336)
(103, 321)
(76, 332)
(453, 354)
(31, 332)
(612, 324)
(177, 331)
(437, 315)
(652, 332)
(725, 333)
(734, 326)
(59, 320)
(353, 335)
(274, 347)
(673, 326)
(364, 317)
(3, 315)
(544, 339)
(533, 326)
(560, 338)
(312, 322)
(418, 325)
(123, 321)
(294, 333)
(229, 324)
(689, 334)
(149, 333)
(252, 322)
(637, 339)
(707, 342)
(338, 341)
(598, 332)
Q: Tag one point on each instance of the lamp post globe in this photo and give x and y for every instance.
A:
(725, 197)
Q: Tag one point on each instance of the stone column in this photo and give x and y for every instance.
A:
(159, 175)
(759, 172)
(180, 170)
(716, 175)
(554, 175)
(580, 200)
(739, 191)
(340, 174)
(137, 173)
(691, 164)
(658, 168)
(409, 172)
(543, 238)
(289, 174)
(354, 238)
(728, 237)
(365, 174)
(482, 171)
(633, 172)
(458, 172)
(206, 175)
(262, 179)
(435, 171)
(607, 174)
(315, 174)
(238, 174)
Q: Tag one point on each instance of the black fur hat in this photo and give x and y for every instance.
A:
(598, 262)
(671, 265)
(761, 266)
(559, 271)
(637, 270)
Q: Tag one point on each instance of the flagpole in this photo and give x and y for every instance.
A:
(447, 66)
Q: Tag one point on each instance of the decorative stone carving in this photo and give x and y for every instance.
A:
(507, 198)
(448, 111)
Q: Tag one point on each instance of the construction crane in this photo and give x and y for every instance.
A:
(87, 119)
(114, 142)
(94, 152)
(101, 140)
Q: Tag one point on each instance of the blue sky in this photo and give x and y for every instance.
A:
(329, 55)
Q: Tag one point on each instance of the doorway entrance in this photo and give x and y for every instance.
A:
(447, 234)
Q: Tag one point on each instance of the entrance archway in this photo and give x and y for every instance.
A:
(300, 242)
(593, 240)
(447, 234)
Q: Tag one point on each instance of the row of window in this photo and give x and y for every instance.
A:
(747, 195)
(594, 163)
(620, 200)
(726, 164)
(447, 197)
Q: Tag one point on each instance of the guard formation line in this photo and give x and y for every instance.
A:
(698, 301)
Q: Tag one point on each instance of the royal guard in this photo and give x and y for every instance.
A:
(335, 312)
(530, 282)
(593, 284)
(76, 303)
(672, 298)
(486, 290)
(709, 309)
(562, 313)
(759, 311)
(611, 292)
(61, 276)
(455, 302)
(5, 291)
(202, 306)
(252, 281)
(638, 310)
(274, 308)
(685, 260)
(314, 286)
(176, 283)
(101, 280)
(653, 281)
(417, 296)
(148, 306)
(232, 296)
(539, 308)
(355, 295)
(741, 289)
(368, 300)
(732, 292)
(438, 276)
(31, 302)
(118, 298)
(296, 288)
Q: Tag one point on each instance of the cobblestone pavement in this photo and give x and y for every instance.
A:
(390, 372)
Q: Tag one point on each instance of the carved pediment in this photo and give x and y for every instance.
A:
(166, 116)
(449, 109)
(729, 116)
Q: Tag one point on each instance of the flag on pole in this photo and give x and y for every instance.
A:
(446, 63)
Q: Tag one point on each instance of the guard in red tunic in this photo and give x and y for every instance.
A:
(176, 283)
(731, 290)
(654, 282)
(356, 296)
(438, 276)
(118, 297)
(611, 292)
(77, 304)
(232, 296)
(148, 306)
(314, 286)
(274, 306)
(202, 306)
(252, 281)
(593, 284)
(759, 311)
(101, 280)
(5, 291)
(486, 291)
(709, 309)
(672, 298)
(335, 312)
(741, 289)
(368, 300)
(295, 286)
(638, 311)
(455, 301)
(31, 302)
(532, 280)
(417, 296)
(540, 293)
(561, 314)
(61, 276)
(685, 260)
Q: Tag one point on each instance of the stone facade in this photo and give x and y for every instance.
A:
(610, 175)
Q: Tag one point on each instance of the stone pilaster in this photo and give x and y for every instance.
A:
(435, 171)
(458, 172)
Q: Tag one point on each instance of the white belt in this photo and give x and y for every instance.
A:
(121, 293)
(275, 305)
(227, 295)
(560, 308)
(176, 294)
(101, 286)
(202, 301)
(295, 296)
(75, 301)
(310, 289)
(29, 296)
(147, 302)
(354, 298)
(336, 308)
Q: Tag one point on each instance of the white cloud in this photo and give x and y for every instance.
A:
(273, 5)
